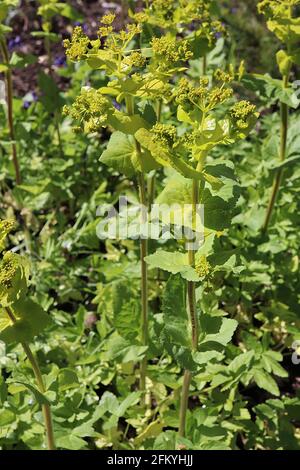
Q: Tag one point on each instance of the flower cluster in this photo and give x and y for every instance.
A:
(77, 47)
(6, 227)
(241, 112)
(276, 8)
(134, 59)
(202, 266)
(211, 31)
(225, 77)
(90, 109)
(203, 97)
(164, 134)
(171, 14)
(8, 270)
(116, 41)
(171, 50)
(160, 13)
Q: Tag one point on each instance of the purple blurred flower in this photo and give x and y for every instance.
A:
(116, 105)
(84, 26)
(218, 35)
(234, 10)
(60, 61)
(29, 98)
(14, 42)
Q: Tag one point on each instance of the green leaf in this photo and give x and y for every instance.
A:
(121, 155)
(51, 97)
(174, 299)
(70, 12)
(131, 400)
(271, 89)
(41, 398)
(241, 362)
(286, 163)
(269, 360)
(67, 379)
(152, 430)
(215, 331)
(168, 159)
(175, 334)
(165, 441)
(108, 403)
(265, 381)
(70, 442)
(19, 61)
(123, 350)
(6, 417)
(177, 197)
(126, 309)
(174, 263)
(127, 124)
(284, 62)
(30, 321)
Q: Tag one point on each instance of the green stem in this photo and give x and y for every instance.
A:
(184, 402)
(152, 179)
(47, 44)
(284, 113)
(191, 293)
(144, 271)
(144, 289)
(9, 97)
(204, 65)
(56, 123)
(39, 379)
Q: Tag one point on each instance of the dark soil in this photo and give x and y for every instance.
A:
(25, 20)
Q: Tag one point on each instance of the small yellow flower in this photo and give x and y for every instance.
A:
(202, 267)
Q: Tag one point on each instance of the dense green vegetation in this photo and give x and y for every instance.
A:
(187, 340)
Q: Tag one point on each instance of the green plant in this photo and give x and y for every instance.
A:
(6, 68)
(196, 108)
(222, 314)
(133, 80)
(282, 22)
(20, 318)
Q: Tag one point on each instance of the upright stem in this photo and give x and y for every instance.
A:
(284, 114)
(144, 271)
(204, 65)
(191, 292)
(35, 367)
(152, 179)
(56, 124)
(9, 97)
(47, 44)
(144, 289)
(184, 402)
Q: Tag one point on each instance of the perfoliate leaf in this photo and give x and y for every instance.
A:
(122, 156)
(168, 158)
(174, 299)
(174, 263)
(30, 321)
(283, 61)
(126, 309)
(127, 124)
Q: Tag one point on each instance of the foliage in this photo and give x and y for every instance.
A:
(164, 103)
